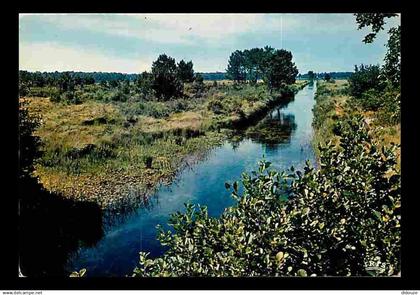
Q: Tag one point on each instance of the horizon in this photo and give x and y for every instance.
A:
(129, 44)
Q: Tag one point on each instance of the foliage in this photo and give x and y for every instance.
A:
(365, 77)
(235, 69)
(78, 274)
(311, 75)
(343, 219)
(374, 20)
(392, 66)
(185, 71)
(280, 69)
(28, 143)
(165, 80)
(327, 77)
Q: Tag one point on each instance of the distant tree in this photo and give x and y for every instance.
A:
(78, 81)
(113, 83)
(89, 80)
(103, 83)
(125, 86)
(144, 83)
(66, 82)
(327, 77)
(280, 69)
(185, 71)
(311, 75)
(236, 67)
(198, 84)
(165, 80)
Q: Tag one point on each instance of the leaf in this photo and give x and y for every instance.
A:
(302, 273)
(82, 272)
(227, 185)
(377, 214)
(279, 257)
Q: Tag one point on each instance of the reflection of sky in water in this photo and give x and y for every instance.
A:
(117, 252)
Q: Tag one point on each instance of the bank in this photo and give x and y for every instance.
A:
(94, 151)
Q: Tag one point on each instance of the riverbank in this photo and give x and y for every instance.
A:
(110, 152)
(333, 104)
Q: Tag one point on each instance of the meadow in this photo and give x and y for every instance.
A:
(106, 150)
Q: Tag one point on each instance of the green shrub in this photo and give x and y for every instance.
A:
(365, 78)
(371, 100)
(343, 219)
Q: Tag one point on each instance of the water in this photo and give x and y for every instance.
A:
(116, 251)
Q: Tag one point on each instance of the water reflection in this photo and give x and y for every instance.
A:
(50, 228)
(274, 130)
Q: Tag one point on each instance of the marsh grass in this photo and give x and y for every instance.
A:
(101, 150)
(333, 104)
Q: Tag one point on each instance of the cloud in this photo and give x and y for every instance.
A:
(47, 56)
(164, 28)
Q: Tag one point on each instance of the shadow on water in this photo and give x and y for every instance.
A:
(50, 228)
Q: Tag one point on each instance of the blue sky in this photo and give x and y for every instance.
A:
(130, 43)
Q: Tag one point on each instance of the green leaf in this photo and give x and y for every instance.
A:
(227, 185)
(279, 257)
(377, 214)
(302, 273)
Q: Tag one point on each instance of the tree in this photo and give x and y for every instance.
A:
(198, 84)
(165, 79)
(311, 75)
(253, 60)
(392, 66)
(280, 69)
(144, 83)
(185, 71)
(28, 143)
(236, 66)
(376, 21)
(365, 78)
(327, 77)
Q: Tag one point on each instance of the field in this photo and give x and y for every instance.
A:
(334, 103)
(112, 152)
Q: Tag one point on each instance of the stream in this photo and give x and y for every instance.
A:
(107, 248)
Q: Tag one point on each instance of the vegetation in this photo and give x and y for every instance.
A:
(118, 138)
(343, 219)
(273, 66)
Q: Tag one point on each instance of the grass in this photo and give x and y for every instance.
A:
(333, 103)
(103, 151)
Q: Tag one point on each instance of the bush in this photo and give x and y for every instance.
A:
(365, 78)
(343, 219)
(371, 100)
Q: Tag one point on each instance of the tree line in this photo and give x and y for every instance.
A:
(274, 66)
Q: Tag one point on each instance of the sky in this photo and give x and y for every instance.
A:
(129, 43)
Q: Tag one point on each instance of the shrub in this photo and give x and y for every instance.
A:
(343, 219)
(365, 78)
